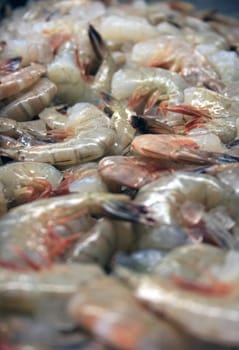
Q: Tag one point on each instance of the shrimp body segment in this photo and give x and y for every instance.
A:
(87, 135)
(197, 287)
(26, 228)
(33, 291)
(22, 79)
(182, 148)
(178, 203)
(29, 104)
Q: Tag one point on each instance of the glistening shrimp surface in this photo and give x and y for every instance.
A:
(119, 177)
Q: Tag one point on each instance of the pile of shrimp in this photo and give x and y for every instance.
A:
(119, 177)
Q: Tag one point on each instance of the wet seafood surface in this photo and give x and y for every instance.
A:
(119, 177)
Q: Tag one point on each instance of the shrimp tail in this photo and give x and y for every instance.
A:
(233, 144)
(97, 43)
(128, 212)
(207, 157)
(226, 158)
(10, 65)
(150, 124)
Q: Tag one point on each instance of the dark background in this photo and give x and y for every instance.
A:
(229, 7)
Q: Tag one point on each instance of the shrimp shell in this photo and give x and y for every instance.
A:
(30, 103)
(197, 288)
(22, 79)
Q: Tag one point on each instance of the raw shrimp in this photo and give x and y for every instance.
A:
(172, 52)
(29, 233)
(83, 178)
(26, 181)
(69, 73)
(124, 28)
(20, 80)
(121, 119)
(12, 128)
(44, 294)
(133, 172)
(102, 241)
(29, 104)
(88, 134)
(214, 103)
(179, 204)
(103, 77)
(198, 148)
(197, 288)
(107, 309)
(221, 111)
(144, 80)
(200, 122)
(54, 117)
(37, 50)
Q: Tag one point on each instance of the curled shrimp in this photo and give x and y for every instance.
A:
(30, 103)
(172, 52)
(15, 82)
(26, 181)
(36, 289)
(144, 80)
(84, 137)
(30, 232)
(182, 206)
(205, 148)
(133, 28)
(197, 288)
(108, 309)
(101, 242)
(54, 117)
(70, 75)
